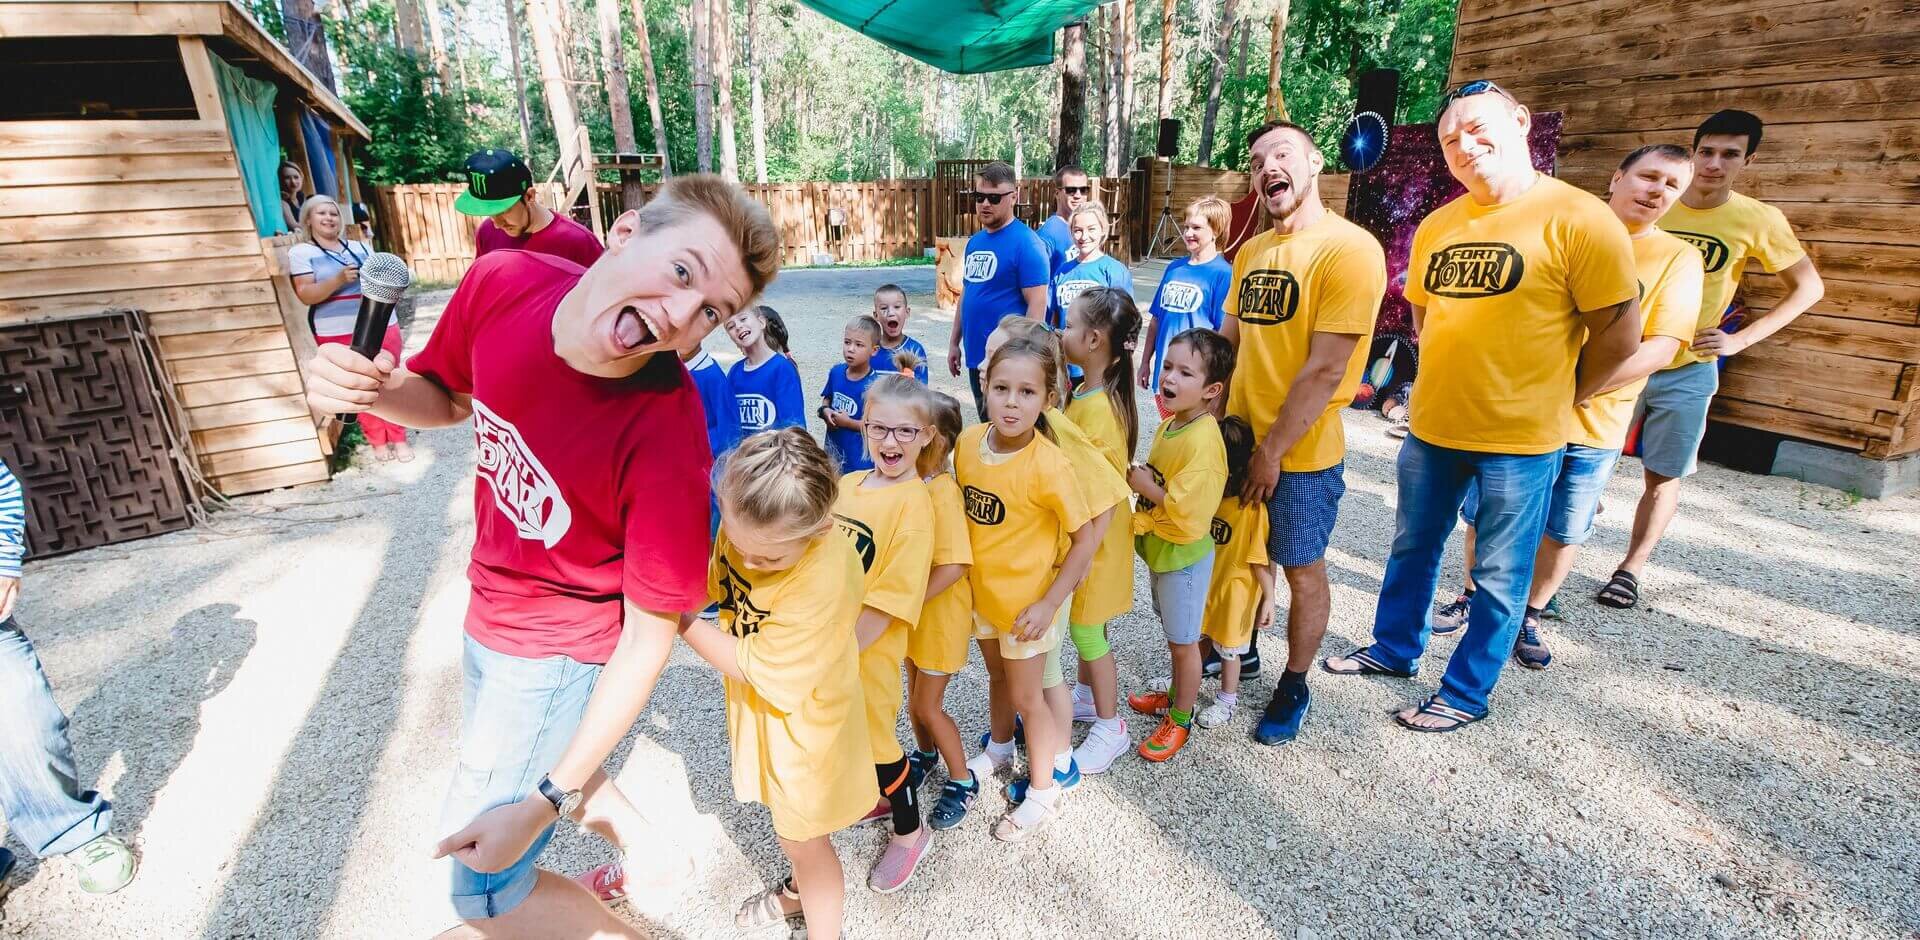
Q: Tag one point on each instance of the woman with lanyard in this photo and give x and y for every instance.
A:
(326, 275)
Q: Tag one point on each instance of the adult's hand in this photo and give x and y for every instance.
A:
(953, 357)
(9, 596)
(1145, 378)
(1717, 342)
(500, 836)
(1263, 471)
(341, 381)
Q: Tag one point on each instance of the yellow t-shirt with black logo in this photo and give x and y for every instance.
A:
(1108, 590)
(891, 531)
(1190, 463)
(1239, 544)
(1503, 287)
(1328, 278)
(1020, 512)
(1670, 277)
(1727, 235)
(799, 745)
(938, 642)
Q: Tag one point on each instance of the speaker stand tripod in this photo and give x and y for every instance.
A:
(1166, 240)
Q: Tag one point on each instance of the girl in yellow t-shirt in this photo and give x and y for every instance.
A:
(887, 516)
(1103, 326)
(789, 593)
(937, 647)
(1240, 595)
(1023, 504)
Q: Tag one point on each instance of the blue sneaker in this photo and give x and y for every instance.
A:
(1019, 735)
(919, 764)
(1280, 723)
(955, 799)
(1016, 790)
(1528, 647)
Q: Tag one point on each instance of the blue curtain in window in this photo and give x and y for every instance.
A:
(248, 104)
(318, 135)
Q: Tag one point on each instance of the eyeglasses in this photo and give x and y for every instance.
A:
(1478, 86)
(991, 198)
(905, 434)
(1076, 190)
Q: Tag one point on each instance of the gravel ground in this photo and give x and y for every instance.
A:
(1735, 758)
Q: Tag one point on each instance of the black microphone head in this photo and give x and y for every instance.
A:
(384, 278)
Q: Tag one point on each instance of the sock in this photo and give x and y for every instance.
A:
(1115, 724)
(1046, 797)
(1229, 699)
(1183, 719)
(1293, 680)
(928, 757)
(1062, 762)
(1534, 612)
(999, 749)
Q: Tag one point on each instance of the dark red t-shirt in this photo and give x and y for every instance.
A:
(587, 489)
(562, 238)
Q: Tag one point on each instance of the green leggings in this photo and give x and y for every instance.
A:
(1089, 640)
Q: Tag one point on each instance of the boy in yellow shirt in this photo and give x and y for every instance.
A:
(1178, 488)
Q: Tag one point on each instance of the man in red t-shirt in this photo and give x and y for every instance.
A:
(500, 189)
(590, 518)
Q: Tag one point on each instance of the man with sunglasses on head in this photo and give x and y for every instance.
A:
(1072, 188)
(1525, 299)
(1005, 273)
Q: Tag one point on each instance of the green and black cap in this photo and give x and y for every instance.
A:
(496, 179)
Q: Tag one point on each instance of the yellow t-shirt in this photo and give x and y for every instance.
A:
(1670, 279)
(1019, 514)
(1239, 543)
(1328, 278)
(799, 745)
(938, 642)
(891, 530)
(1190, 463)
(1108, 591)
(1727, 235)
(1503, 287)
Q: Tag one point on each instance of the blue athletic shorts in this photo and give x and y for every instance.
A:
(1302, 511)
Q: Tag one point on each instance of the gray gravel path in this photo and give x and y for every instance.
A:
(1734, 759)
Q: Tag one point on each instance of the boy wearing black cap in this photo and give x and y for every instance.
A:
(500, 189)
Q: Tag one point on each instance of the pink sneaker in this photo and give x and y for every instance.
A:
(881, 810)
(898, 863)
(608, 882)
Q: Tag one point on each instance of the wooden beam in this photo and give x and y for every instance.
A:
(105, 197)
(222, 343)
(47, 256)
(256, 481)
(147, 18)
(284, 386)
(212, 299)
(206, 89)
(22, 140)
(92, 225)
(240, 437)
(180, 322)
(21, 284)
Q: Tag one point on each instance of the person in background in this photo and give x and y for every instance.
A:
(766, 383)
(1072, 188)
(843, 397)
(325, 269)
(723, 425)
(1090, 266)
(291, 198)
(1194, 289)
(40, 797)
(891, 310)
(500, 189)
(1005, 274)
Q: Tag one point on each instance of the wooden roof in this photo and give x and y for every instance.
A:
(210, 18)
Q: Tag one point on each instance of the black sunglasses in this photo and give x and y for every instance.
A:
(1478, 86)
(994, 198)
(1076, 190)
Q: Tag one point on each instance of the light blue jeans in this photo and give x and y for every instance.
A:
(40, 795)
(1514, 495)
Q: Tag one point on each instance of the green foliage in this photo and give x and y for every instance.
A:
(417, 137)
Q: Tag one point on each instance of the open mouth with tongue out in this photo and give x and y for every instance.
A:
(631, 330)
(1276, 187)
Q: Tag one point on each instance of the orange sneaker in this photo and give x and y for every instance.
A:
(1167, 740)
(1149, 703)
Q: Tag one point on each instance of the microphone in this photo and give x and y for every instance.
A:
(384, 278)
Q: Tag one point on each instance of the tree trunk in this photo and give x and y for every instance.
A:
(1239, 86)
(1166, 60)
(519, 81)
(702, 84)
(619, 105)
(1276, 101)
(653, 87)
(406, 22)
(1073, 94)
(307, 39)
(461, 11)
(758, 106)
(721, 35)
(1222, 44)
(541, 23)
(438, 45)
(1110, 136)
(1130, 44)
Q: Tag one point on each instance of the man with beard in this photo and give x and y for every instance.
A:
(1072, 188)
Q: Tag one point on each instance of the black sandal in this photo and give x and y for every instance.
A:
(1368, 666)
(1622, 591)
(1438, 709)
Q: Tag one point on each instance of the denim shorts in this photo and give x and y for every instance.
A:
(1673, 413)
(1578, 485)
(1301, 513)
(1180, 598)
(517, 716)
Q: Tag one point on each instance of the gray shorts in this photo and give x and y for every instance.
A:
(1673, 412)
(1180, 598)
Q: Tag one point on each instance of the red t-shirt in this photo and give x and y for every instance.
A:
(562, 238)
(587, 489)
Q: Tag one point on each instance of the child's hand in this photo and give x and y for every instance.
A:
(1139, 475)
(9, 596)
(1033, 622)
(1263, 616)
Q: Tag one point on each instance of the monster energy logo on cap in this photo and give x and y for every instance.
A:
(496, 179)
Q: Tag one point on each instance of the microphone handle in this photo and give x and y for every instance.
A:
(369, 328)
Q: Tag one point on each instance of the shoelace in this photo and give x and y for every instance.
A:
(1529, 633)
(99, 851)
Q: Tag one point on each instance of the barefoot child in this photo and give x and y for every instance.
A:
(1240, 595)
(888, 517)
(846, 389)
(1179, 487)
(890, 308)
(766, 383)
(789, 593)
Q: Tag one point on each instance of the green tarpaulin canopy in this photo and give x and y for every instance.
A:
(963, 36)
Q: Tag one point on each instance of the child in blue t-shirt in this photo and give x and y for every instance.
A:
(1194, 289)
(716, 399)
(891, 311)
(766, 383)
(842, 398)
(1090, 267)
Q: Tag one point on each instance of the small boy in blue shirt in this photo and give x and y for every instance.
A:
(842, 400)
(891, 311)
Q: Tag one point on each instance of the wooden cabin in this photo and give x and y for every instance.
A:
(121, 188)
(1837, 84)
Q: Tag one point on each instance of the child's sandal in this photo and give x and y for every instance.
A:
(1026, 819)
(765, 910)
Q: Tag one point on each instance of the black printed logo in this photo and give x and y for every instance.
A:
(1474, 269)
(862, 536)
(1222, 531)
(1713, 251)
(983, 507)
(1268, 296)
(1158, 480)
(734, 588)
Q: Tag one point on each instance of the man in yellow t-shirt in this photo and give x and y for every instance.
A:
(1302, 305)
(1647, 184)
(1729, 229)
(1524, 297)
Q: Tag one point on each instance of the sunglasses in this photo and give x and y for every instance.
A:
(1076, 190)
(1479, 86)
(991, 198)
(906, 434)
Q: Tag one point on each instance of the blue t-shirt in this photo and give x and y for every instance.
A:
(723, 417)
(1190, 295)
(769, 396)
(997, 266)
(1058, 237)
(1076, 277)
(848, 397)
(883, 358)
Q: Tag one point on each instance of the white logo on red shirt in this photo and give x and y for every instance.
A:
(982, 266)
(522, 488)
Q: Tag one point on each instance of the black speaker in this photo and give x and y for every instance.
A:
(1377, 90)
(1169, 138)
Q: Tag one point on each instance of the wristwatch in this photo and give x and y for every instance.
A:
(564, 801)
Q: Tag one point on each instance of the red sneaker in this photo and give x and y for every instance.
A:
(1167, 741)
(608, 882)
(1149, 703)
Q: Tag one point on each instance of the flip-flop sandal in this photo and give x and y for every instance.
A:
(1622, 591)
(1397, 432)
(1438, 709)
(764, 909)
(1369, 666)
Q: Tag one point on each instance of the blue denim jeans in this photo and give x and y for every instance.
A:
(1514, 494)
(40, 795)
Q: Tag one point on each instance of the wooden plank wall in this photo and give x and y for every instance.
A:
(1836, 82)
(150, 215)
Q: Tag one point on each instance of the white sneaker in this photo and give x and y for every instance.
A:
(1161, 684)
(1101, 747)
(982, 766)
(1215, 715)
(1083, 707)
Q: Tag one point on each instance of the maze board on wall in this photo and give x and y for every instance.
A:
(80, 426)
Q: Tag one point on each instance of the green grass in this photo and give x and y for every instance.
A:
(351, 439)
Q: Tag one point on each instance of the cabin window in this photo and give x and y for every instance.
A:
(94, 78)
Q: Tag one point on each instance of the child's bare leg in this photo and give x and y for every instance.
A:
(1043, 732)
(1186, 675)
(941, 733)
(1229, 673)
(920, 738)
(817, 876)
(999, 707)
(1060, 702)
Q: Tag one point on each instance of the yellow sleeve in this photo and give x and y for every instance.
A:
(781, 659)
(1777, 249)
(951, 546)
(900, 576)
(716, 570)
(1418, 257)
(1350, 300)
(1599, 257)
(1259, 526)
(1101, 485)
(1193, 492)
(1057, 490)
(1673, 309)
